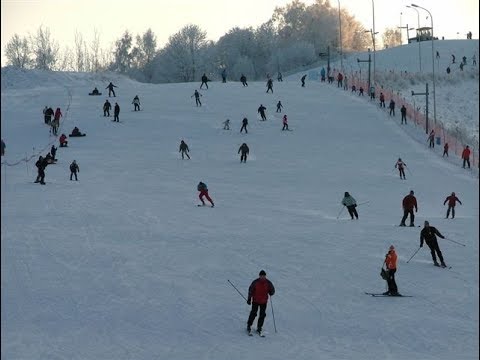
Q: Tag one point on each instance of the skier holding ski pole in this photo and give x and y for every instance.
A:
(456, 242)
(258, 294)
(237, 290)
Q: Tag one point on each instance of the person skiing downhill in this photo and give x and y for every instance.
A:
(74, 169)
(41, 164)
(270, 85)
(303, 80)
(202, 187)
(452, 199)
(391, 268)
(197, 98)
(245, 151)
(204, 81)
(226, 124)
(136, 103)
(243, 79)
(184, 149)
(351, 205)
(285, 123)
(244, 125)
(110, 89)
(258, 292)
(279, 106)
(428, 234)
(400, 165)
(261, 111)
(409, 203)
(466, 156)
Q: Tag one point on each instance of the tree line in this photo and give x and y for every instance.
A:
(293, 37)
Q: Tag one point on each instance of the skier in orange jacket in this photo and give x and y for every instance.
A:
(391, 267)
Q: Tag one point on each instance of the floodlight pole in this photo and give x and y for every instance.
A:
(418, 39)
(426, 106)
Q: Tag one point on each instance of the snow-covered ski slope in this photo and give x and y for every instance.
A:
(123, 265)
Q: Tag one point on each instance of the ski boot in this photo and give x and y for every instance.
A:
(402, 224)
(386, 293)
(412, 225)
(436, 263)
(443, 264)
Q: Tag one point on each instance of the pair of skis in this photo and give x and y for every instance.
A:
(261, 334)
(382, 295)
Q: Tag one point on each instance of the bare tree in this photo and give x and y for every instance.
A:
(17, 52)
(95, 51)
(45, 49)
(79, 52)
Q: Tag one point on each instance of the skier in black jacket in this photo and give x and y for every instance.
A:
(106, 108)
(41, 164)
(261, 111)
(279, 106)
(184, 149)
(428, 234)
(110, 89)
(244, 150)
(243, 79)
(74, 169)
(270, 85)
(244, 125)
(204, 81)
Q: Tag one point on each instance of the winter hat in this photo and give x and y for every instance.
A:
(427, 223)
(346, 193)
(262, 273)
(392, 247)
(411, 192)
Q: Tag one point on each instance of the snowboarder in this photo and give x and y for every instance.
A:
(226, 124)
(400, 165)
(244, 125)
(322, 75)
(391, 106)
(245, 151)
(403, 111)
(197, 98)
(431, 139)
(452, 199)
(409, 203)
(258, 293)
(382, 100)
(74, 169)
(136, 103)
(351, 205)
(243, 79)
(303, 80)
(279, 77)
(184, 149)
(261, 111)
(204, 81)
(106, 108)
(41, 164)
(110, 89)
(270, 85)
(285, 123)
(391, 268)
(95, 92)
(202, 187)
(428, 234)
(279, 106)
(53, 151)
(116, 112)
(466, 156)
(63, 140)
(3, 148)
(76, 132)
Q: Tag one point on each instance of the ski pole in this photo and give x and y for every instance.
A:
(237, 290)
(273, 316)
(414, 254)
(365, 202)
(456, 242)
(340, 211)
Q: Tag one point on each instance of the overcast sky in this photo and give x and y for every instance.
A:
(112, 17)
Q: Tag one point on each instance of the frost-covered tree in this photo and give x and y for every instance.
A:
(122, 55)
(17, 52)
(45, 50)
(144, 52)
(392, 37)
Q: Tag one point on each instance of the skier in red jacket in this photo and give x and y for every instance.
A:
(452, 199)
(466, 156)
(409, 203)
(258, 293)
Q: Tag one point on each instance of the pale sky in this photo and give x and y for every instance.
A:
(112, 17)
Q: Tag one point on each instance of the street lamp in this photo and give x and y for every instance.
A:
(373, 37)
(340, 30)
(433, 68)
(418, 40)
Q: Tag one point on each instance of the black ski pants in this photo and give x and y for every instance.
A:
(40, 176)
(404, 117)
(253, 315)
(203, 82)
(243, 157)
(262, 114)
(434, 248)
(137, 107)
(285, 127)
(106, 112)
(392, 111)
(270, 88)
(392, 285)
(405, 215)
(244, 126)
(115, 118)
(185, 153)
(402, 172)
(352, 211)
(198, 102)
(453, 211)
(466, 161)
(73, 173)
(110, 91)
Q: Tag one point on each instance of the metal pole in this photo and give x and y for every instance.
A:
(369, 66)
(340, 29)
(426, 110)
(373, 35)
(418, 40)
